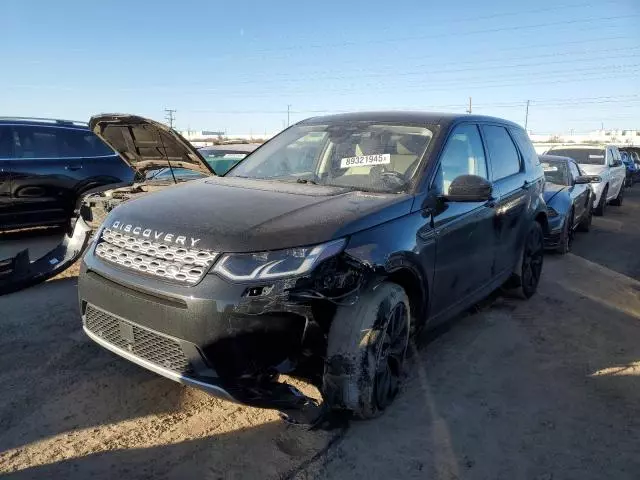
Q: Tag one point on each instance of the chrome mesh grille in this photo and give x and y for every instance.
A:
(180, 264)
(146, 344)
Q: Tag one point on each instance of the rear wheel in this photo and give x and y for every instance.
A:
(366, 351)
(618, 200)
(524, 283)
(599, 210)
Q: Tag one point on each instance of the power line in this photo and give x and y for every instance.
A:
(342, 44)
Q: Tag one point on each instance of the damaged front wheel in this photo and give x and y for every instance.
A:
(366, 351)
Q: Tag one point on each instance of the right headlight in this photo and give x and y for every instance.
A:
(275, 264)
(551, 212)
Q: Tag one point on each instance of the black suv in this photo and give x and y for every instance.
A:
(321, 252)
(45, 165)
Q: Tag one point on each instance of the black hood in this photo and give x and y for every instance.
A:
(551, 190)
(245, 215)
(145, 144)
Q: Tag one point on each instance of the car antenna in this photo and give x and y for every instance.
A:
(167, 155)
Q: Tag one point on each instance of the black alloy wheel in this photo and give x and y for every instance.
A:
(393, 349)
(532, 259)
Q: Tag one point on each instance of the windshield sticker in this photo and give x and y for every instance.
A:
(365, 160)
(549, 168)
(600, 157)
(235, 155)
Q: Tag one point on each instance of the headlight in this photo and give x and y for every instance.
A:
(551, 212)
(276, 264)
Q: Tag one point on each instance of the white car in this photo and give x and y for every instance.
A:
(601, 160)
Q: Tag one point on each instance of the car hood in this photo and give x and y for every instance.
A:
(592, 169)
(145, 144)
(551, 190)
(231, 214)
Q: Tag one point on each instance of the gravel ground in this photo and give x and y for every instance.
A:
(544, 389)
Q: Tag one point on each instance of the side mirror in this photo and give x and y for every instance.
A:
(582, 179)
(469, 188)
(588, 179)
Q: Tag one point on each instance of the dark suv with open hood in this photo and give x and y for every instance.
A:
(318, 254)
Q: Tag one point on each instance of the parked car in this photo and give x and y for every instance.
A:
(603, 161)
(46, 165)
(146, 146)
(633, 162)
(630, 168)
(221, 158)
(322, 251)
(569, 198)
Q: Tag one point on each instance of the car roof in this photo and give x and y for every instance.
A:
(442, 119)
(47, 122)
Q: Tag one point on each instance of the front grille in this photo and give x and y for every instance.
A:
(146, 344)
(178, 264)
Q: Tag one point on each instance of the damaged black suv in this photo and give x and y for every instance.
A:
(319, 254)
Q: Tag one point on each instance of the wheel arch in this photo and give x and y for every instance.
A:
(416, 288)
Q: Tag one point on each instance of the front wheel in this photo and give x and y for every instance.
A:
(366, 351)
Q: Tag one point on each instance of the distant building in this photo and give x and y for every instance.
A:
(617, 137)
(203, 138)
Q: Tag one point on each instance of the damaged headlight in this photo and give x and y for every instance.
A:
(276, 264)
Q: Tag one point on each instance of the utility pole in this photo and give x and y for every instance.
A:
(288, 115)
(469, 110)
(169, 116)
(526, 117)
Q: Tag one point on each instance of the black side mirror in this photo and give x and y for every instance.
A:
(582, 179)
(469, 188)
(588, 179)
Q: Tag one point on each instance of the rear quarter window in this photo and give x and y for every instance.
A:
(525, 146)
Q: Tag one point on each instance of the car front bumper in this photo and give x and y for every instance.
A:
(211, 335)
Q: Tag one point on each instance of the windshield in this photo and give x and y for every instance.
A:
(556, 172)
(585, 156)
(360, 155)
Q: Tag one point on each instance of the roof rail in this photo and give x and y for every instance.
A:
(46, 120)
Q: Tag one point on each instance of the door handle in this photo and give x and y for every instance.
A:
(73, 167)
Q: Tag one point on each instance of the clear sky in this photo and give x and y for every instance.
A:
(236, 65)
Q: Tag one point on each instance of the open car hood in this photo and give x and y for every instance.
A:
(145, 144)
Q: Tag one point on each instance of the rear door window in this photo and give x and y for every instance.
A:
(53, 142)
(505, 160)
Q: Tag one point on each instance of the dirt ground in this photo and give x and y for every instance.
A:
(545, 389)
